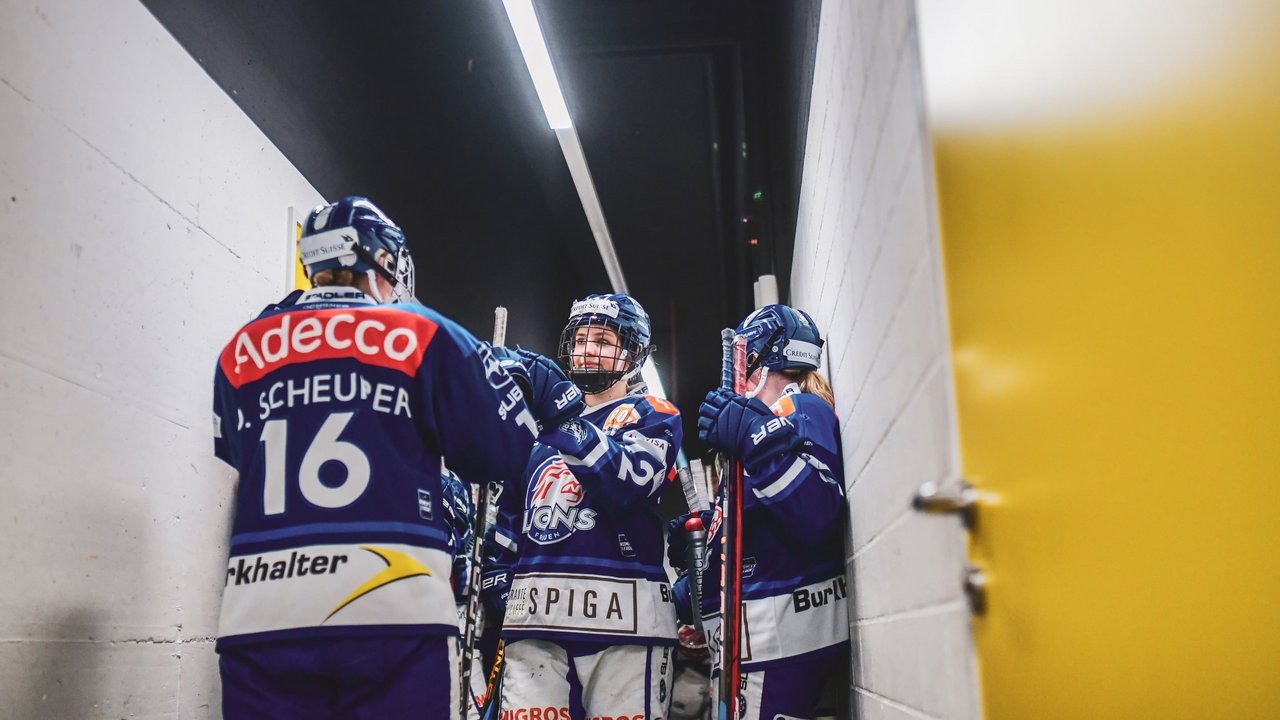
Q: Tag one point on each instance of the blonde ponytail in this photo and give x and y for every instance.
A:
(340, 277)
(811, 381)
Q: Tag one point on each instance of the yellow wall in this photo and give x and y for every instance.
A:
(1114, 289)
(300, 280)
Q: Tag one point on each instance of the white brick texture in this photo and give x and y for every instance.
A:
(867, 266)
(144, 217)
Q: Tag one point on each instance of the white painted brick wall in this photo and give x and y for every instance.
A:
(142, 218)
(868, 267)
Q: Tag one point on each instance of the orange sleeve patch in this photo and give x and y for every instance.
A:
(784, 406)
(662, 405)
(621, 416)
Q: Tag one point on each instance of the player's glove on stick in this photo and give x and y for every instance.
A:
(678, 539)
(744, 428)
(550, 394)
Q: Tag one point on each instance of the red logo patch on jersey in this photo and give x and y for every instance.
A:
(556, 475)
(388, 339)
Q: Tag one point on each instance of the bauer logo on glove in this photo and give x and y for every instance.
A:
(573, 393)
(745, 428)
(772, 426)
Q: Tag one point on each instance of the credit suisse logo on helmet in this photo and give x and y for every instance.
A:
(594, 305)
(389, 339)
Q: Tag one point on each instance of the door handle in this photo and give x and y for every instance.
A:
(956, 498)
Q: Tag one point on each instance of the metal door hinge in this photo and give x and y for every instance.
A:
(975, 589)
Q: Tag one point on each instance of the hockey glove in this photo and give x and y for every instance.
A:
(513, 364)
(678, 539)
(495, 586)
(550, 394)
(744, 428)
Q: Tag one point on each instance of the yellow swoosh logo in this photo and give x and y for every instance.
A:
(399, 566)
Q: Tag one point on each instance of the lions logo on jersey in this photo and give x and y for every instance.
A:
(553, 510)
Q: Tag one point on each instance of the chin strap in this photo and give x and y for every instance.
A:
(764, 375)
(373, 286)
(636, 369)
(399, 291)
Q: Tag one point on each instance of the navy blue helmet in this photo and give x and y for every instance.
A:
(780, 337)
(353, 234)
(625, 317)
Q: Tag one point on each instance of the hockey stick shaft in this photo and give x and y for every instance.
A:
(499, 326)
(482, 499)
(732, 377)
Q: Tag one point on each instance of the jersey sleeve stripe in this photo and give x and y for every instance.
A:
(503, 538)
(339, 528)
(781, 483)
(602, 447)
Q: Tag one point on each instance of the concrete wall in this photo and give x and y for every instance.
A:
(142, 218)
(867, 266)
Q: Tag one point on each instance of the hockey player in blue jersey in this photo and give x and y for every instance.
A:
(794, 593)
(590, 627)
(335, 407)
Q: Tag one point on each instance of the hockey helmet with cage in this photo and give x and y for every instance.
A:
(625, 317)
(353, 234)
(780, 337)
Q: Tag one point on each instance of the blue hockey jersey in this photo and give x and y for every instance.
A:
(336, 412)
(581, 531)
(794, 590)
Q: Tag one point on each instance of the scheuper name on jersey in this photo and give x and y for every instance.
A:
(554, 509)
(390, 339)
(332, 387)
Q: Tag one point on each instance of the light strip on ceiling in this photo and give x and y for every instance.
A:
(577, 161)
(534, 49)
(533, 46)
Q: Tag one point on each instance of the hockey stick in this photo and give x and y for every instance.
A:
(494, 687)
(697, 542)
(732, 376)
(483, 497)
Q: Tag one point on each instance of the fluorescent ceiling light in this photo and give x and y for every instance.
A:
(649, 373)
(534, 48)
(571, 146)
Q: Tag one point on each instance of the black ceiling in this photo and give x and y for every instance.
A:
(685, 110)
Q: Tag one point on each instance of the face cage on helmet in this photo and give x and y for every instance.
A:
(404, 290)
(593, 381)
